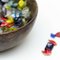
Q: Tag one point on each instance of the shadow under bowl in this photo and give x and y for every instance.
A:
(11, 39)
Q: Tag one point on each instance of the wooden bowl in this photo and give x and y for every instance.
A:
(11, 39)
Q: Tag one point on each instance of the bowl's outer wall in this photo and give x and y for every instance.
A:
(12, 39)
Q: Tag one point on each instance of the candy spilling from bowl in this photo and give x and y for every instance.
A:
(13, 14)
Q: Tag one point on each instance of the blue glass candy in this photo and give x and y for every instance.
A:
(18, 21)
(16, 13)
(53, 35)
(49, 46)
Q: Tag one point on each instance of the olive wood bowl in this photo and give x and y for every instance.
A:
(11, 39)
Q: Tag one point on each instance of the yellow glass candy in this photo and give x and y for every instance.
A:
(12, 29)
(10, 20)
(7, 6)
(4, 29)
(21, 4)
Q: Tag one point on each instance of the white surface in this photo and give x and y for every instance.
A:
(48, 21)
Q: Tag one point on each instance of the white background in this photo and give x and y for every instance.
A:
(47, 21)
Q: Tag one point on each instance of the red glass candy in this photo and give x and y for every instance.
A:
(58, 34)
(53, 42)
(4, 18)
(49, 47)
(47, 52)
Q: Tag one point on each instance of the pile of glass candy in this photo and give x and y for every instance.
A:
(13, 14)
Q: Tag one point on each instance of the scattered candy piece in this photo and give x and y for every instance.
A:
(53, 35)
(49, 47)
(58, 34)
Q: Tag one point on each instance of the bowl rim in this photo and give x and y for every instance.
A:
(35, 14)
